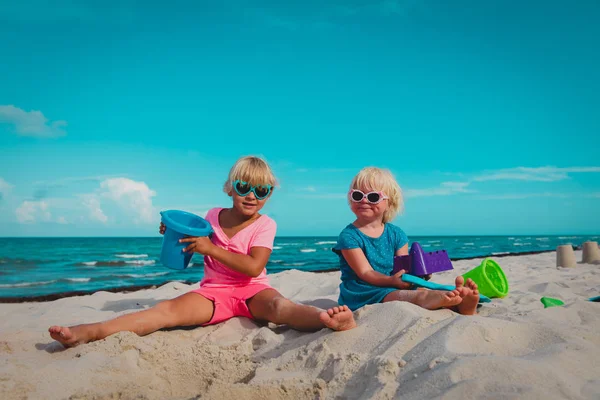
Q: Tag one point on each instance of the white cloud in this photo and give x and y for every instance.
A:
(5, 187)
(92, 203)
(134, 196)
(519, 196)
(445, 189)
(310, 189)
(540, 174)
(62, 220)
(32, 211)
(31, 123)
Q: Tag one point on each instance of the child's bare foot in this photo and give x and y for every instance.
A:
(469, 294)
(434, 299)
(68, 337)
(338, 318)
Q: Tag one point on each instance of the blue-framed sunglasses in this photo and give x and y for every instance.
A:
(244, 188)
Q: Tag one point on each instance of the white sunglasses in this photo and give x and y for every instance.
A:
(372, 197)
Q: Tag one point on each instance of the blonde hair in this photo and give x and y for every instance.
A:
(250, 169)
(379, 179)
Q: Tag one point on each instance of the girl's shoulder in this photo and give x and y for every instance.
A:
(212, 215)
(396, 232)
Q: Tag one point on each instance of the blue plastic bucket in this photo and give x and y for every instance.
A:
(180, 224)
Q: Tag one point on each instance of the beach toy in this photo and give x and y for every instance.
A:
(180, 224)
(420, 263)
(416, 281)
(565, 256)
(490, 278)
(591, 253)
(551, 302)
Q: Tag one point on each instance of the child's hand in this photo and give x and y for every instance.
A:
(398, 282)
(201, 245)
(162, 228)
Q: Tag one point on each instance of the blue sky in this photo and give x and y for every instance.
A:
(486, 112)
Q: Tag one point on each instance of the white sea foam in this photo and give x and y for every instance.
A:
(277, 247)
(485, 247)
(290, 244)
(469, 244)
(308, 250)
(544, 239)
(132, 255)
(25, 284)
(276, 261)
(79, 279)
(141, 262)
(297, 264)
(326, 242)
(501, 253)
(90, 263)
(145, 275)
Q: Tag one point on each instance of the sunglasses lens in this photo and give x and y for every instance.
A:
(242, 188)
(373, 197)
(357, 196)
(261, 191)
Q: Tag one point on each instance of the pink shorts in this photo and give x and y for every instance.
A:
(230, 301)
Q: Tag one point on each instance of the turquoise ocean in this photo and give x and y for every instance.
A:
(31, 267)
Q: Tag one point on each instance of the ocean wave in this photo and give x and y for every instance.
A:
(568, 237)
(141, 262)
(469, 244)
(25, 284)
(544, 239)
(289, 244)
(275, 261)
(132, 255)
(308, 250)
(485, 247)
(326, 242)
(78, 279)
(522, 244)
(296, 264)
(143, 275)
(433, 241)
(277, 247)
(501, 253)
(117, 263)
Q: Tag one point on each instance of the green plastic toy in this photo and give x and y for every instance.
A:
(551, 302)
(490, 279)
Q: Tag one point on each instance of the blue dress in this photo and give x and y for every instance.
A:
(380, 252)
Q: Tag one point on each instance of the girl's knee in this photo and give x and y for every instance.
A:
(167, 311)
(277, 309)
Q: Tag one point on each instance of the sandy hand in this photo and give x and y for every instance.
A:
(338, 318)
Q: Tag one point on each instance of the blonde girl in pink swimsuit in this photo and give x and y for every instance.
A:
(235, 281)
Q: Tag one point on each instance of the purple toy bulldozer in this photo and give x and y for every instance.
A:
(420, 263)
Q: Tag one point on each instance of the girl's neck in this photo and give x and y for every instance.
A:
(368, 225)
(239, 218)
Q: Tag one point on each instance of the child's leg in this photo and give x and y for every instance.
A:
(185, 310)
(429, 299)
(270, 305)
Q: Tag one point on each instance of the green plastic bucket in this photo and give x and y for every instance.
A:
(490, 278)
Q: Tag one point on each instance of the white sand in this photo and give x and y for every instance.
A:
(513, 349)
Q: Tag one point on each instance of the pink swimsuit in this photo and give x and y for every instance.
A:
(226, 288)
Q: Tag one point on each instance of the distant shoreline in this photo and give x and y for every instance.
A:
(135, 288)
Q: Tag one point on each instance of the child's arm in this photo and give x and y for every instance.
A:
(251, 265)
(360, 265)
